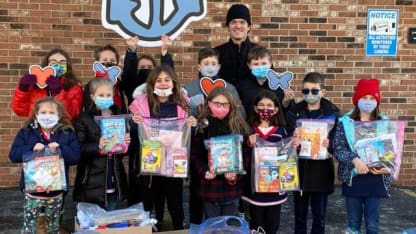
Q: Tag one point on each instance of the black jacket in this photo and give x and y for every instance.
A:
(90, 181)
(315, 175)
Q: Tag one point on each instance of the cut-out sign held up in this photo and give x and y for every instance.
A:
(151, 19)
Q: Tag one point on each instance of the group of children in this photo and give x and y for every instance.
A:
(229, 109)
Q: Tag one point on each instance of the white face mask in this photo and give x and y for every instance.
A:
(47, 121)
(163, 92)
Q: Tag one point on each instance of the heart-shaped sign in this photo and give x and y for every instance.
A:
(277, 80)
(42, 74)
(207, 84)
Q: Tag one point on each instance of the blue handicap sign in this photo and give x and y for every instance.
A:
(382, 27)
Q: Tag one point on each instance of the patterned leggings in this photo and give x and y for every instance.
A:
(32, 207)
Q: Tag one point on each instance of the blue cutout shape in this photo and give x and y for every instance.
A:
(277, 80)
(113, 72)
(119, 15)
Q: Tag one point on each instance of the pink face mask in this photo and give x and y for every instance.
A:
(218, 111)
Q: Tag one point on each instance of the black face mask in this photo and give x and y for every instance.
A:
(109, 64)
(144, 73)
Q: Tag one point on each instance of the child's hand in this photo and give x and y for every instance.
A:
(230, 176)
(381, 171)
(325, 143)
(53, 146)
(289, 95)
(132, 43)
(137, 118)
(252, 140)
(127, 139)
(209, 175)
(166, 43)
(360, 166)
(103, 142)
(191, 121)
(39, 147)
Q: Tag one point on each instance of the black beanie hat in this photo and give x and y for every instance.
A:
(238, 11)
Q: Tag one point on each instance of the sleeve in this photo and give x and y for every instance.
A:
(87, 102)
(21, 103)
(19, 147)
(167, 59)
(290, 118)
(130, 70)
(87, 147)
(342, 152)
(71, 152)
(199, 156)
(72, 100)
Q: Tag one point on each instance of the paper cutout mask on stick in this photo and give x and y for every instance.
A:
(101, 71)
(207, 84)
(42, 74)
(277, 80)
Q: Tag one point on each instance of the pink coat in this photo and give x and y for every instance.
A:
(141, 105)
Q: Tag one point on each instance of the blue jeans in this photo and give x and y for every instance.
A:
(356, 206)
(318, 203)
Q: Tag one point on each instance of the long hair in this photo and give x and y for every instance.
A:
(375, 115)
(235, 120)
(64, 122)
(176, 97)
(277, 119)
(70, 78)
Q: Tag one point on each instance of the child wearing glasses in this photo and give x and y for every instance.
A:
(220, 115)
(316, 176)
(64, 87)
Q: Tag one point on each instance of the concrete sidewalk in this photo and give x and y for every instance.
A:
(397, 213)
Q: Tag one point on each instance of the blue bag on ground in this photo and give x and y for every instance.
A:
(222, 224)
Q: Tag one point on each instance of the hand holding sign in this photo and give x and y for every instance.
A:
(42, 74)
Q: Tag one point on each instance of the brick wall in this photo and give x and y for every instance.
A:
(326, 36)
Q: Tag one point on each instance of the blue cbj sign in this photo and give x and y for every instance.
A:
(382, 27)
(150, 19)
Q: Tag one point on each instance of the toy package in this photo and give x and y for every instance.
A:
(312, 135)
(225, 154)
(44, 171)
(114, 128)
(289, 176)
(379, 143)
(165, 145)
(268, 159)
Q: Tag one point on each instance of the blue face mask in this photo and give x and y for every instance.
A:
(104, 103)
(260, 72)
(367, 106)
(59, 69)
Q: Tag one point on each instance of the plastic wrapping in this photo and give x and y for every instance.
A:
(44, 171)
(91, 216)
(165, 145)
(380, 143)
(221, 224)
(312, 134)
(273, 162)
(114, 128)
(225, 154)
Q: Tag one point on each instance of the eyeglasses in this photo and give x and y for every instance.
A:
(313, 91)
(54, 62)
(219, 104)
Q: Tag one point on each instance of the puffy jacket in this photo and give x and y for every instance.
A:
(23, 102)
(28, 137)
(90, 181)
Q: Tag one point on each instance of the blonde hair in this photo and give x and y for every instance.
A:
(235, 120)
(64, 121)
(98, 82)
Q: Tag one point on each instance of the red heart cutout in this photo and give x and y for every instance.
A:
(42, 74)
(207, 84)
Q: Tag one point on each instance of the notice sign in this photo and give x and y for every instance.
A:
(382, 32)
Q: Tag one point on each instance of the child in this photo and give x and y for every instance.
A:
(363, 192)
(100, 179)
(208, 66)
(163, 99)
(65, 87)
(220, 194)
(259, 60)
(268, 123)
(49, 126)
(316, 176)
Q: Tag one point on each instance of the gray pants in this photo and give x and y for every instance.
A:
(215, 209)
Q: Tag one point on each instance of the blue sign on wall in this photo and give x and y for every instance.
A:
(382, 27)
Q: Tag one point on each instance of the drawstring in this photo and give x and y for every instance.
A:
(259, 230)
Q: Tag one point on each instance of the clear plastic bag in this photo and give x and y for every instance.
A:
(380, 143)
(221, 224)
(165, 145)
(44, 171)
(225, 154)
(90, 216)
(270, 166)
(114, 128)
(312, 134)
